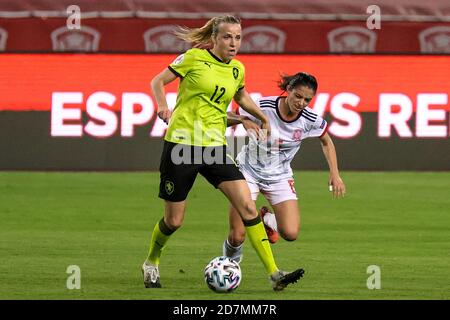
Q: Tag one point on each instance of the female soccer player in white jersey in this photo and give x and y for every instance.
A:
(210, 79)
(266, 164)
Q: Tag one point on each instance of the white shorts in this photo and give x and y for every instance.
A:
(274, 192)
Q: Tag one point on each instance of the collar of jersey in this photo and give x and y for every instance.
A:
(216, 57)
(279, 113)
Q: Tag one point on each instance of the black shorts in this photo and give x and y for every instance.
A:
(180, 164)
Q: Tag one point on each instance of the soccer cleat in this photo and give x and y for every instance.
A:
(151, 276)
(272, 235)
(281, 279)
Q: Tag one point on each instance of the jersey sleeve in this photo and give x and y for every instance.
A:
(318, 128)
(182, 64)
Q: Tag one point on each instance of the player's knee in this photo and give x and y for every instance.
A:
(249, 210)
(173, 223)
(289, 235)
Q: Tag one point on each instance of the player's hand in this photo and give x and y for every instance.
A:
(265, 129)
(164, 114)
(251, 127)
(336, 186)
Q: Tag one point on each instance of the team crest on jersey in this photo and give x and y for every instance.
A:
(235, 73)
(170, 187)
(297, 136)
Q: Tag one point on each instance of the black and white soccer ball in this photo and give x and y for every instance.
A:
(223, 274)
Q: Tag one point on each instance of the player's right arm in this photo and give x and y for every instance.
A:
(249, 125)
(243, 99)
(234, 119)
(157, 85)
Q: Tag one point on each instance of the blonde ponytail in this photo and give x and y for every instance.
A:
(203, 35)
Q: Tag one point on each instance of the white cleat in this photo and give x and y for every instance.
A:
(151, 276)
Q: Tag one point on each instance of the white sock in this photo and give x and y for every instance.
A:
(235, 253)
(271, 221)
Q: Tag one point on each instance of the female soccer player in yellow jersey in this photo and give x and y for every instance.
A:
(209, 79)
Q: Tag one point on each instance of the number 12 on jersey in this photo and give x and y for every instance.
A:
(222, 92)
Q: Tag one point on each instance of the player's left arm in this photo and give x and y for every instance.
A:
(335, 182)
(244, 100)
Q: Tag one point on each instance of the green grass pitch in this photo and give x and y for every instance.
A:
(102, 223)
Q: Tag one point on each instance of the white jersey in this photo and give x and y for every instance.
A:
(269, 161)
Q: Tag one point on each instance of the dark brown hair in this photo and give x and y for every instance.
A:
(300, 79)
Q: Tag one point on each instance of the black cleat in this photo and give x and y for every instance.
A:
(281, 279)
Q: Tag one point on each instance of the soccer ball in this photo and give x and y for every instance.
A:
(223, 274)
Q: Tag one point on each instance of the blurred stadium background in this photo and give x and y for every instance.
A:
(79, 100)
(387, 111)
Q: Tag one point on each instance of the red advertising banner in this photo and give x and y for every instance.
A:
(399, 88)
(259, 36)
